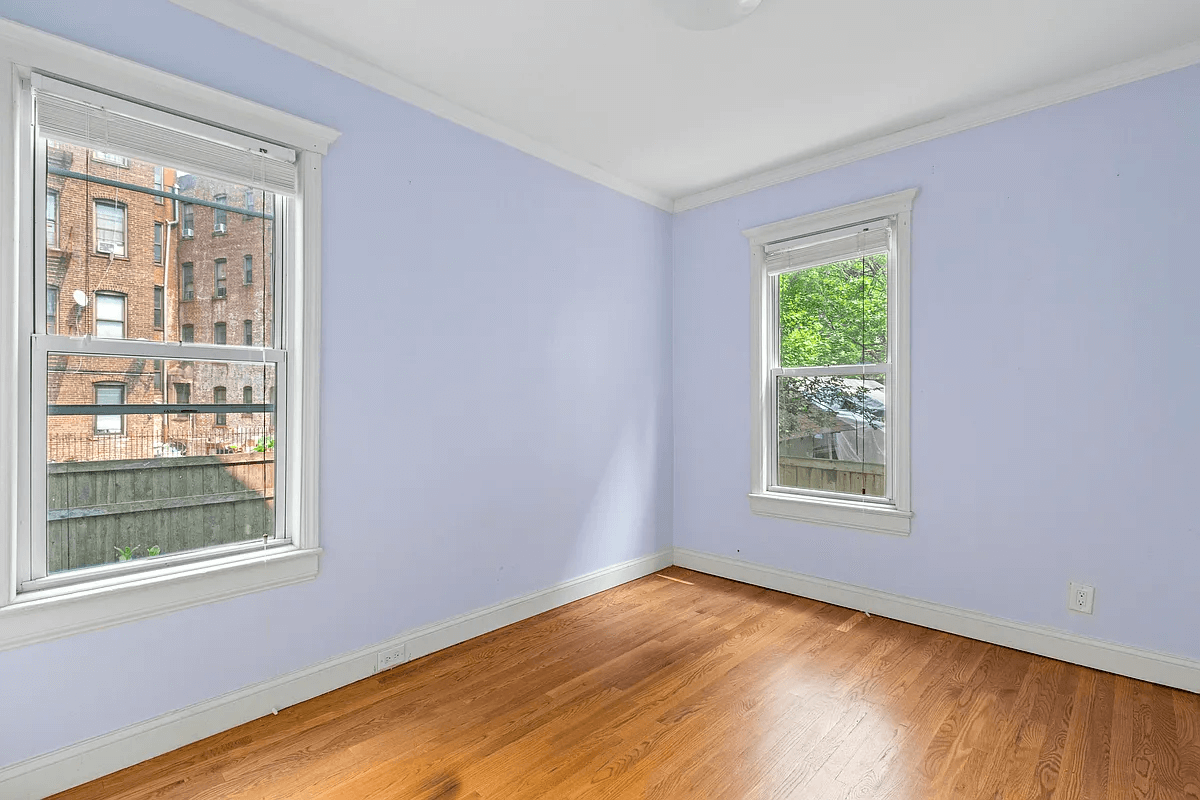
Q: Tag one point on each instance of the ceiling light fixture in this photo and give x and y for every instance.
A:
(708, 15)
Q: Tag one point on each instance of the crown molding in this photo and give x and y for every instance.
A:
(44, 51)
(1108, 78)
(239, 17)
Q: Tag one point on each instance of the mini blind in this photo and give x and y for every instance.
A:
(73, 114)
(828, 246)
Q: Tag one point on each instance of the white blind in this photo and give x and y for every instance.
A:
(829, 246)
(80, 116)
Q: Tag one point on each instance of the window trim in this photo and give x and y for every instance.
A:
(892, 517)
(39, 616)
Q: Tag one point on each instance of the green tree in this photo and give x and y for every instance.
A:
(834, 314)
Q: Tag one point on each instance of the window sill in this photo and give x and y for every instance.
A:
(51, 614)
(840, 513)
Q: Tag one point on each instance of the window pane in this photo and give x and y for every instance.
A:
(834, 314)
(219, 333)
(832, 434)
(158, 307)
(51, 309)
(156, 482)
(158, 243)
(110, 316)
(187, 333)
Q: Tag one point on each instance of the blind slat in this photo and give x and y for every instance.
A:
(99, 128)
(829, 249)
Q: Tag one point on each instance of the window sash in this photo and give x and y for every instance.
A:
(31, 571)
(110, 226)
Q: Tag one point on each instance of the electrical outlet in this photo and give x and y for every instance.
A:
(391, 658)
(1081, 598)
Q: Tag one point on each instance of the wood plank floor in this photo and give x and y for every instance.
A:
(684, 685)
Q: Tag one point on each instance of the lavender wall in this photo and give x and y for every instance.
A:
(1054, 305)
(496, 391)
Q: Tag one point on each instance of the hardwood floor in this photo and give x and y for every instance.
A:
(685, 685)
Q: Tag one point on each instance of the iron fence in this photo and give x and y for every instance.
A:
(66, 447)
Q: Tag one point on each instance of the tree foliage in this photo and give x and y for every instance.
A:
(834, 314)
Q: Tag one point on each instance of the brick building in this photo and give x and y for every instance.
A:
(160, 269)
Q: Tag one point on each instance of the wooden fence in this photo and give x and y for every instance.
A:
(176, 504)
(833, 476)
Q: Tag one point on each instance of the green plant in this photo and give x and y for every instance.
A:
(126, 553)
(264, 443)
(130, 553)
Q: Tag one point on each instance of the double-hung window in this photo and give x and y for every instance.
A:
(88, 400)
(830, 352)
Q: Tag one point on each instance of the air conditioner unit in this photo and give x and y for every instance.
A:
(188, 233)
(220, 292)
(219, 227)
(106, 247)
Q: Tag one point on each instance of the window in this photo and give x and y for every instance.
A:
(219, 214)
(219, 278)
(110, 315)
(73, 387)
(247, 395)
(248, 332)
(187, 333)
(247, 269)
(51, 218)
(158, 183)
(110, 228)
(51, 309)
(249, 203)
(188, 280)
(183, 393)
(218, 333)
(218, 399)
(158, 308)
(158, 243)
(187, 215)
(830, 347)
(110, 394)
(110, 158)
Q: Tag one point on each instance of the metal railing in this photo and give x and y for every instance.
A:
(65, 447)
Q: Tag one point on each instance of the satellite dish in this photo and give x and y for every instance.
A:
(80, 298)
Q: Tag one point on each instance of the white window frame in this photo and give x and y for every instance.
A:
(117, 296)
(894, 514)
(113, 596)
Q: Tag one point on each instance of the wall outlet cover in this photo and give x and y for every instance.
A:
(392, 657)
(1081, 598)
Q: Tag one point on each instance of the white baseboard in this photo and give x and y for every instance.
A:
(1146, 665)
(53, 772)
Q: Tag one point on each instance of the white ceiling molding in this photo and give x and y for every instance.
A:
(38, 49)
(246, 20)
(1053, 94)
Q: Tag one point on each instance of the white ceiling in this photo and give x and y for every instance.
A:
(615, 84)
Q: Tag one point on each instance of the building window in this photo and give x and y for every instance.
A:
(247, 270)
(248, 333)
(158, 183)
(218, 333)
(219, 278)
(249, 203)
(110, 394)
(188, 279)
(218, 399)
(158, 243)
(247, 395)
(74, 393)
(219, 215)
(51, 218)
(110, 315)
(831, 341)
(187, 214)
(110, 158)
(51, 309)
(183, 393)
(110, 228)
